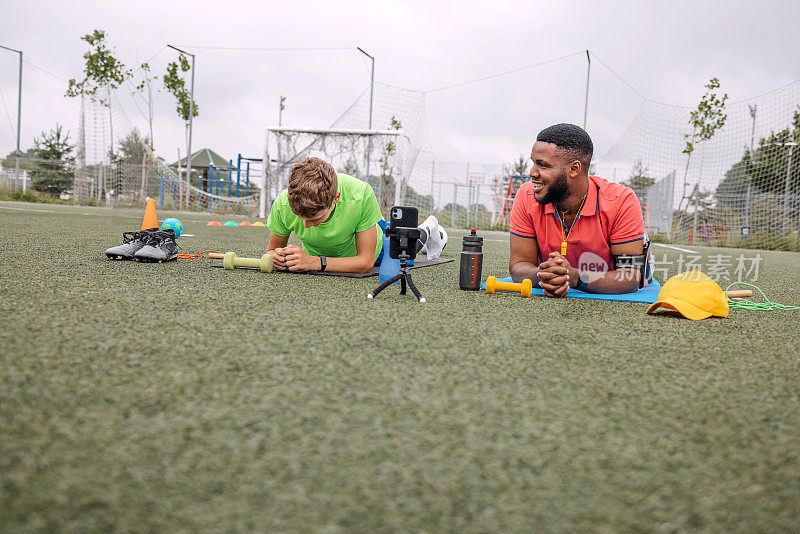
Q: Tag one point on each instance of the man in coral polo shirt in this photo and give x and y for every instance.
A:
(572, 230)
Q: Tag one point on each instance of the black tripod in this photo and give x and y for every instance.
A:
(404, 275)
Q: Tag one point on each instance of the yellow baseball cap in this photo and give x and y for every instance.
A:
(692, 294)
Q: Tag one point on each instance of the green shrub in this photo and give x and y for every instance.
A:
(31, 196)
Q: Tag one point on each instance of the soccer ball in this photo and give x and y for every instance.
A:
(174, 224)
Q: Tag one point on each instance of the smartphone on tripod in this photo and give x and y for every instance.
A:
(403, 231)
(403, 234)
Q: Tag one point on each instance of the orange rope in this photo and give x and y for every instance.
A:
(193, 256)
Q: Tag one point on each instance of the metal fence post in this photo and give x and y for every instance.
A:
(433, 199)
(238, 174)
(469, 194)
(455, 202)
(230, 176)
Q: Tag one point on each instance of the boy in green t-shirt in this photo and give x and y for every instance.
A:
(335, 216)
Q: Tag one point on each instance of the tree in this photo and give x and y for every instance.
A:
(413, 198)
(764, 168)
(732, 189)
(176, 85)
(25, 160)
(700, 199)
(518, 167)
(351, 167)
(133, 148)
(706, 120)
(387, 167)
(53, 172)
(771, 158)
(478, 208)
(639, 181)
(144, 92)
(102, 70)
(451, 206)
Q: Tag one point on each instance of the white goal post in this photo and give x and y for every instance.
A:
(358, 152)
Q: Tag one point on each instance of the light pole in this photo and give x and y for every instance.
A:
(586, 102)
(371, 84)
(280, 110)
(787, 183)
(371, 94)
(752, 109)
(189, 141)
(19, 117)
(791, 146)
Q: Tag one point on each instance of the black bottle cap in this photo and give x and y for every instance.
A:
(473, 238)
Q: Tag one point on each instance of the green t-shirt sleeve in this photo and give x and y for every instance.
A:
(277, 216)
(370, 211)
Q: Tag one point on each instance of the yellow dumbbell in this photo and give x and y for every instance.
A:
(525, 288)
(230, 261)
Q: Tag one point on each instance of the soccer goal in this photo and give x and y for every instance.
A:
(374, 156)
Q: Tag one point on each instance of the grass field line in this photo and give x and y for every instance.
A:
(673, 247)
(95, 214)
(100, 214)
(23, 209)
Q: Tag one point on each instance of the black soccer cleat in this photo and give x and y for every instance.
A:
(160, 247)
(132, 242)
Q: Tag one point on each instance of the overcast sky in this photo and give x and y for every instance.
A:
(667, 51)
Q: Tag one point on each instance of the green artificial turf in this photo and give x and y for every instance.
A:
(176, 397)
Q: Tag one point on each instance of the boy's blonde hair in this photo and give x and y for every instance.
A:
(312, 187)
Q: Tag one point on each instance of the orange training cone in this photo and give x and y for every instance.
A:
(150, 220)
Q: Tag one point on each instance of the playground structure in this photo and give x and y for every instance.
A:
(707, 233)
(514, 182)
(217, 189)
(224, 184)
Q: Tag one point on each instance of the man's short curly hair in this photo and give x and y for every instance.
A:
(312, 187)
(572, 140)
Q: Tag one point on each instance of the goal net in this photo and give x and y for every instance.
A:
(738, 188)
(116, 166)
(394, 107)
(374, 156)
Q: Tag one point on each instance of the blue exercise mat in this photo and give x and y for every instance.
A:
(647, 295)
